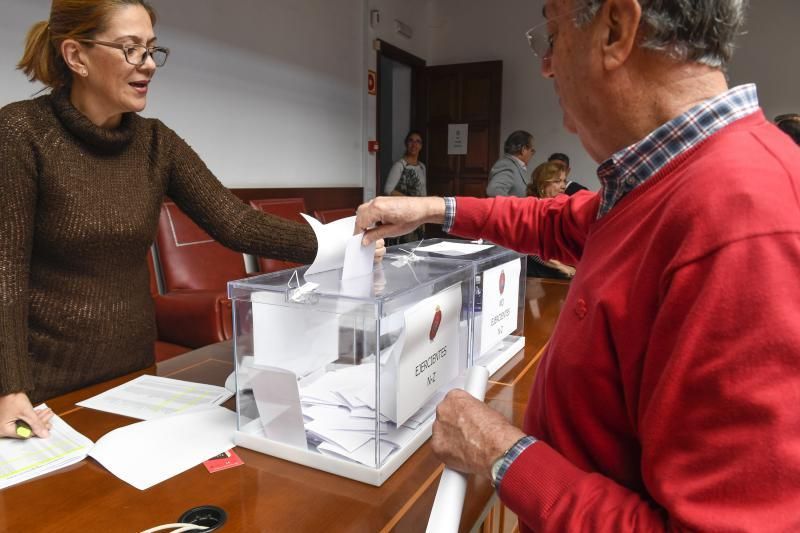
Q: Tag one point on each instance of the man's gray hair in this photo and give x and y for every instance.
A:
(702, 31)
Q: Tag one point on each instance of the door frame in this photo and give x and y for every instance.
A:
(389, 51)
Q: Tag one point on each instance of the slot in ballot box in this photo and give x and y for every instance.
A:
(345, 375)
(498, 329)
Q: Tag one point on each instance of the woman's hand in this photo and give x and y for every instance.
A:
(17, 406)
(380, 250)
(567, 270)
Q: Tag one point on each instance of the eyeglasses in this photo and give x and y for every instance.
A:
(136, 54)
(541, 40)
(414, 141)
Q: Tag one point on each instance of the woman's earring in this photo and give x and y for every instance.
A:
(84, 72)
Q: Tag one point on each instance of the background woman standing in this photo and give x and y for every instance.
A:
(407, 178)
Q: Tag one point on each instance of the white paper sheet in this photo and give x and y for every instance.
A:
(364, 454)
(430, 354)
(332, 239)
(500, 306)
(146, 453)
(308, 341)
(358, 259)
(278, 403)
(148, 397)
(454, 248)
(24, 459)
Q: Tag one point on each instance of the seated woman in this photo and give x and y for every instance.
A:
(548, 180)
(83, 180)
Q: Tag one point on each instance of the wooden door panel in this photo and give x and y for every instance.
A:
(438, 160)
(478, 157)
(467, 93)
(477, 90)
(472, 187)
(443, 98)
(443, 186)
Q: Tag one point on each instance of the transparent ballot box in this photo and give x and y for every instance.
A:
(345, 375)
(499, 307)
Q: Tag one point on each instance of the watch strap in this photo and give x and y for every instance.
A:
(508, 457)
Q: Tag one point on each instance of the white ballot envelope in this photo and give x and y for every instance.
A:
(307, 341)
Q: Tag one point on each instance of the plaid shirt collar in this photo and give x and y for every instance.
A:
(632, 166)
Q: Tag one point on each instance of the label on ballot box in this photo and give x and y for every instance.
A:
(500, 306)
(425, 356)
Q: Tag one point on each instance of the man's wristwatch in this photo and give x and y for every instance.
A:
(497, 470)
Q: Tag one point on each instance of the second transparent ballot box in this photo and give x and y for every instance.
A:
(500, 280)
(345, 375)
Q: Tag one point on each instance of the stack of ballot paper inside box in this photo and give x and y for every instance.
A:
(343, 372)
(499, 294)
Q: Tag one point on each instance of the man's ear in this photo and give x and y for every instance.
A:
(73, 55)
(620, 21)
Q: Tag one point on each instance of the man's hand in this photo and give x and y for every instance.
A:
(468, 435)
(394, 216)
(16, 406)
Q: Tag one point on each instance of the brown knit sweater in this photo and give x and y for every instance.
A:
(79, 207)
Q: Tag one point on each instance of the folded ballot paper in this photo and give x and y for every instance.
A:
(337, 247)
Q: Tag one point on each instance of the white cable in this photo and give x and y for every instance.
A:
(446, 513)
(190, 527)
(182, 525)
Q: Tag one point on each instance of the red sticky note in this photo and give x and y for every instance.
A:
(223, 461)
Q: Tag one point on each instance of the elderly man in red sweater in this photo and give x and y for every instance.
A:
(669, 397)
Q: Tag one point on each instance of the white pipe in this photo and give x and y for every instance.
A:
(446, 513)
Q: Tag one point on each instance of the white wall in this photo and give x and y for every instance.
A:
(769, 54)
(415, 13)
(270, 94)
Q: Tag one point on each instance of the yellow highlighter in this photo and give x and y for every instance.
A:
(23, 430)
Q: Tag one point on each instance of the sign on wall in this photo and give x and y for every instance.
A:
(457, 139)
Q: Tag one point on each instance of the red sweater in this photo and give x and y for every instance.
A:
(669, 397)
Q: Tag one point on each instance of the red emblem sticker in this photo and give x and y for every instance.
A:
(502, 281)
(437, 319)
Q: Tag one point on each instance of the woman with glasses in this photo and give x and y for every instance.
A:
(83, 180)
(548, 180)
(407, 177)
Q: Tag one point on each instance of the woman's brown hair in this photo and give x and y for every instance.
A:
(69, 19)
(544, 174)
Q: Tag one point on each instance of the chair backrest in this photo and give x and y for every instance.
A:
(190, 258)
(329, 215)
(288, 208)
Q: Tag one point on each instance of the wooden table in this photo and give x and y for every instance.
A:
(265, 494)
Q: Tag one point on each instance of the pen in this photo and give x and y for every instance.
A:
(23, 430)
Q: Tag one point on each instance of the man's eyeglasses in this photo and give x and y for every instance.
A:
(541, 40)
(136, 54)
